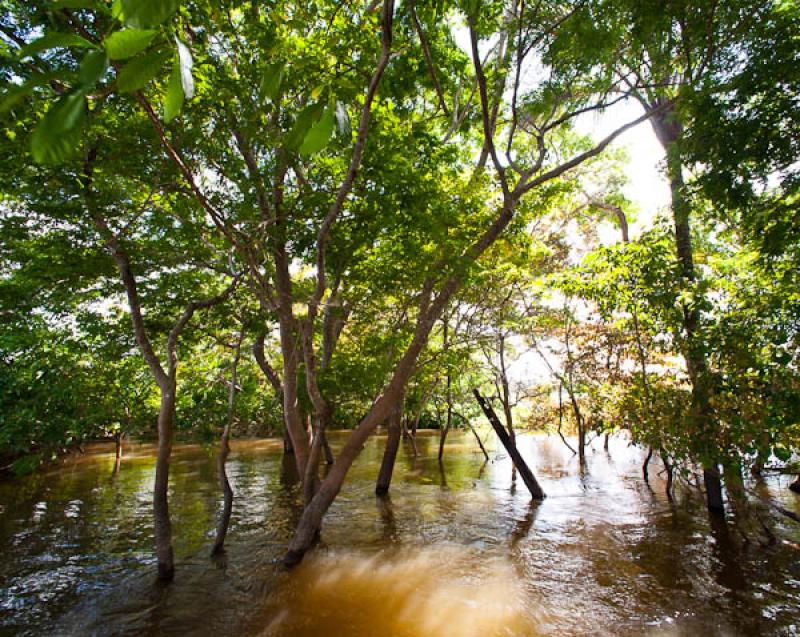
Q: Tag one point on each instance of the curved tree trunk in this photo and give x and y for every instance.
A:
(224, 451)
(390, 452)
(646, 464)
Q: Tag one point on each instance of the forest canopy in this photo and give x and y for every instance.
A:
(234, 218)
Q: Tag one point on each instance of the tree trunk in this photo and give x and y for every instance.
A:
(646, 464)
(448, 388)
(287, 442)
(326, 447)
(713, 485)
(390, 452)
(669, 131)
(118, 457)
(668, 467)
(519, 462)
(227, 494)
(224, 451)
(795, 486)
(162, 524)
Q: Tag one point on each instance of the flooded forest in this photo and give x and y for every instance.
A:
(411, 318)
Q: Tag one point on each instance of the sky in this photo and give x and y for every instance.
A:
(646, 188)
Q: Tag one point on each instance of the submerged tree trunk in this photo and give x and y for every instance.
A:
(326, 447)
(519, 462)
(669, 470)
(390, 452)
(162, 523)
(713, 486)
(669, 131)
(118, 455)
(448, 389)
(646, 464)
(224, 451)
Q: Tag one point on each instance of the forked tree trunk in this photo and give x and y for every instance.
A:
(390, 452)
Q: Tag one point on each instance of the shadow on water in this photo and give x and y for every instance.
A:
(457, 549)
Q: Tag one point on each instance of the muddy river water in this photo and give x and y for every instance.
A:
(457, 550)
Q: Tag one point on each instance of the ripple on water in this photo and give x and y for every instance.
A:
(409, 592)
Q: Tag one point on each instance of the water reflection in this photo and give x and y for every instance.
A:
(453, 551)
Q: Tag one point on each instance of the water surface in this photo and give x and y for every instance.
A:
(457, 550)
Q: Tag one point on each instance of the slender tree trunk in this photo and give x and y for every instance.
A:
(224, 451)
(669, 131)
(527, 475)
(561, 417)
(118, 457)
(448, 388)
(444, 431)
(390, 452)
(668, 467)
(326, 447)
(162, 524)
(646, 464)
(475, 433)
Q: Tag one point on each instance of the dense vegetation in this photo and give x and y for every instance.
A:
(237, 218)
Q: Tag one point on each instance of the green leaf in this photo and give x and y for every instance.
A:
(143, 14)
(271, 82)
(173, 101)
(124, 44)
(138, 72)
(59, 132)
(319, 135)
(305, 120)
(92, 68)
(77, 4)
(54, 41)
(185, 62)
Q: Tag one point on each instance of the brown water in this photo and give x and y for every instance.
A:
(458, 551)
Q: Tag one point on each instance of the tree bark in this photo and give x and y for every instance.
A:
(162, 523)
(669, 469)
(118, 451)
(390, 452)
(669, 131)
(224, 451)
(646, 464)
(519, 462)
